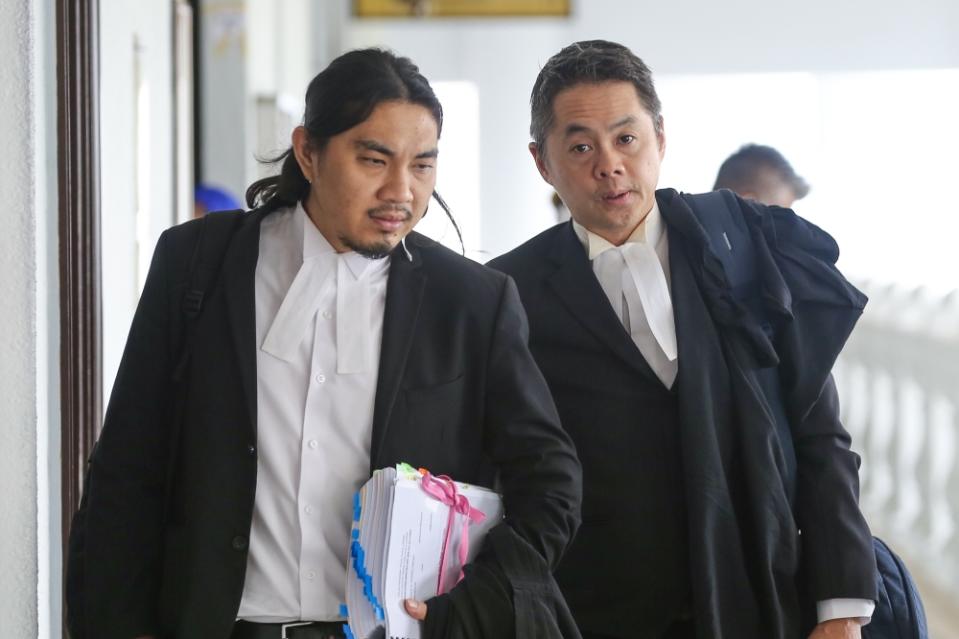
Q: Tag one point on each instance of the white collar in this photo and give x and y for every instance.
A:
(321, 271)
(650, 231)
(315, 245)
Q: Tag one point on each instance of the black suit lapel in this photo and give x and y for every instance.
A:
(576, 285)
(404, 293)
(238, 275)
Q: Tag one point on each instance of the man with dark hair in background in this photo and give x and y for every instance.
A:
(335, 341)
(660, 375)
(761, 173)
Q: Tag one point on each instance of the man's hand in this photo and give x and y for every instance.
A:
(417, 610)
(837, 629)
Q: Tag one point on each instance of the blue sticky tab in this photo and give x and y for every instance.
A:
(349, 633)
(356, 506)
(355, 534)
(359, 566)
(344, 612)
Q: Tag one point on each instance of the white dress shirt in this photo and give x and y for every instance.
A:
(635, 278)
(652, 231)
(319, 325)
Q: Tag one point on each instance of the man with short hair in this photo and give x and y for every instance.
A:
(333, 341)
(660, 370)
(761, 173)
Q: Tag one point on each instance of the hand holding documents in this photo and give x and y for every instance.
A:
(412, 534)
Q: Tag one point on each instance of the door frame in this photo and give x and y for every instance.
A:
(78, 185)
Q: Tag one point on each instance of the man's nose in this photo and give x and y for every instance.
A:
(398, 187)
(608, 164)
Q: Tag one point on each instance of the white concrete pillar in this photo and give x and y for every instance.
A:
(29, 440)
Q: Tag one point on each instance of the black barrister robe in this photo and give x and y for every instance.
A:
(744, 540)
(748, 562)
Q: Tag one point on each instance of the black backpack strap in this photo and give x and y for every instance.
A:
(216, 231)
(721, 217)
(213, 240)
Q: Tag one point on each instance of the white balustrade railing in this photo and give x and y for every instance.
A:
(898, 380)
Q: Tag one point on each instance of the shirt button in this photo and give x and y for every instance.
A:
(327, 314)
(239, 543)
(313, 443)
(320, 378)
(308, 509)
(310, 575)
(251, 449)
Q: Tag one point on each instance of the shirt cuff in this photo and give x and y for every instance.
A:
(845, 608)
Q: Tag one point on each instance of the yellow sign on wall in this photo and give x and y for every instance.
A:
(459, 8)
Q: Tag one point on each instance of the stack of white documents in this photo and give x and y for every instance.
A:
(412, 534)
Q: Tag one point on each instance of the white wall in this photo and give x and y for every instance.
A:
(130, 32)
(273, 66)
(29, 445)
(225, 99)
(277, 74)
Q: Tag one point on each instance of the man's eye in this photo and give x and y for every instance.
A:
(580, 148)
(423, 168)
(373, 161)
(626, 139)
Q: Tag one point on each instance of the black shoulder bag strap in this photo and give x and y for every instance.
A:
(213, 240)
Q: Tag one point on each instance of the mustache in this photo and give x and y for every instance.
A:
(391, 208)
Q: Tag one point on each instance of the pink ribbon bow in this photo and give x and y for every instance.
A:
(443, 489)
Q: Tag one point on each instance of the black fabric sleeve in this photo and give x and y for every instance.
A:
(539, 472)
(479, 607)
(838, 556)
(122, 526)
(539, 476)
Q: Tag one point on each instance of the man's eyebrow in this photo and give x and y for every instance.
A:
(373, 145)
(629, 119)
(574, 128)
(378, 147)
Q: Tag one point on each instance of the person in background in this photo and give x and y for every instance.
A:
(207, 198)
(656, 366)
(761, 173)
(336, 341)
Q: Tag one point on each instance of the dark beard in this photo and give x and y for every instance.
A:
(375, 251)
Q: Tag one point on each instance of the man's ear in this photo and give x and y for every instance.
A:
(303, 151)
(540, 160)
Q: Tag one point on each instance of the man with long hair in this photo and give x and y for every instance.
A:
(331, 341)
